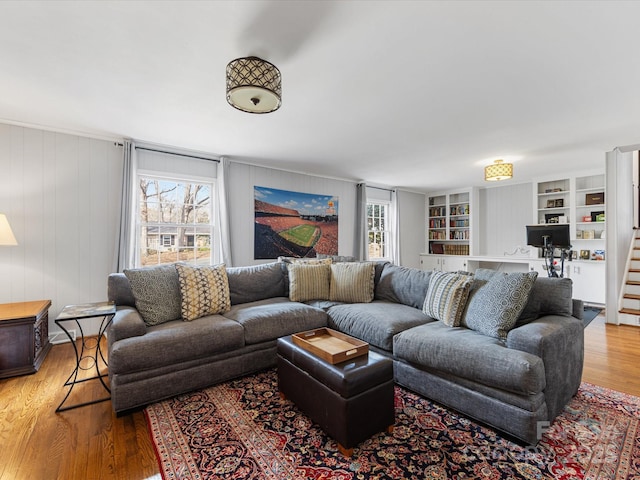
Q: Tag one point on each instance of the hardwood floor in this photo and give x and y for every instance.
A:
(92, 443)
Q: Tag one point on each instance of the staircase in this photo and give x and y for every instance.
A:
(630, 305)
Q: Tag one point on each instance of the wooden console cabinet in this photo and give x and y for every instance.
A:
(24, 337)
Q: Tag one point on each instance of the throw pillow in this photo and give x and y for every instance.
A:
(447, 296)
(496, 301)
(336, 258)
(156, 291)
(309, 282)
(204, 290)
(352, 282)
(309, 261)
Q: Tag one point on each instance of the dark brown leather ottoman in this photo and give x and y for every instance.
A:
(350, 401)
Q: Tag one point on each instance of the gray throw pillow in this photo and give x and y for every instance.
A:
(157, 293)
(403, 285)
(549, 296)
(496, 300)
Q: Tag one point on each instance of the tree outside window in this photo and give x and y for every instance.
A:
(175, 221)
(377, 230)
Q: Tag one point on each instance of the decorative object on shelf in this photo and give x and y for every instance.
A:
(588, 234)
(519, 250)
(594, 198)
(551, 218)
(585, 254)
(599, 254)
(559, 203)
(551, 203)
(597, 216)
(254, 85)
(498, 170)
(6, 234)
(586, 218)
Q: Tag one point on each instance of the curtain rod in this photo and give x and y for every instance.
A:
(380, 188)
(178, 154)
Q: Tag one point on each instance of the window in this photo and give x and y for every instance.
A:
(378, 230)
(174, 221)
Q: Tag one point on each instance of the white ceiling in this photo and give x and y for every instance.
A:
(412, 94)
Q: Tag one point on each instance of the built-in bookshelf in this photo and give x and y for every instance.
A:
(449, 222)
(580, 202)
(554, 201)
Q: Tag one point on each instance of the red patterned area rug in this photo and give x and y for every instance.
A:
(243, 430)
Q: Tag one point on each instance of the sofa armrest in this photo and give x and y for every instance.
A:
(578, 309)
(127, 322)
(559, 342)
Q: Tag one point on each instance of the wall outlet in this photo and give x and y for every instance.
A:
(576, 269)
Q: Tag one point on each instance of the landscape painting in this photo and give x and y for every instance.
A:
(294, 224)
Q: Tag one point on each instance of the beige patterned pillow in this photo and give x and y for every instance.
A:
(204, 290)
(447, 297)
(352, 282)
(309, 282)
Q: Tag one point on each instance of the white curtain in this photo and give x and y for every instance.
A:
(124, 255)
(223, 238)
(394, 227)
(361, 249)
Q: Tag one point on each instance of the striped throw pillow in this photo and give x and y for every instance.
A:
(204, 290)
(447, 296)
(308, 282)
(352, 282)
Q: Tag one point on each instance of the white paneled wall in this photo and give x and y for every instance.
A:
(412, 215)
(61, 194)
(242, 179)
(504, 213)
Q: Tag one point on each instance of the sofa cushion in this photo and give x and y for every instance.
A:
(257, 282)
(403, 285)
(376, 322)
(447, 296)
(157, 293)
(549, 296)
(204, 290)
(119, 290)
(496, 301)
(272, 318)
(352, 282)
(471, 355)
(174, 342)
(309, 281)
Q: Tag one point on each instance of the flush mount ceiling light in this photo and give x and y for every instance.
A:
(498, 171)
(253, 85)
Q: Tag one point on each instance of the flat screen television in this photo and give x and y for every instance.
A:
(556, 235)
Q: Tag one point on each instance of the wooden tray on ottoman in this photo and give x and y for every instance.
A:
(330, 345)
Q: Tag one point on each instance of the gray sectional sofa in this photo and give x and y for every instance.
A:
(516, 384)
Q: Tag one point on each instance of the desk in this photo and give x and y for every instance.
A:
(24, 337)
(90, 355)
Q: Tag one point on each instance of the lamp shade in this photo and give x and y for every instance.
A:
(253, 85)
(6, 235)
(498, 170)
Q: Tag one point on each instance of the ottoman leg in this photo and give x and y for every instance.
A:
(347, 452)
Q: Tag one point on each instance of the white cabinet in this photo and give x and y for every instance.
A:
(588, 281)
(445, 263)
